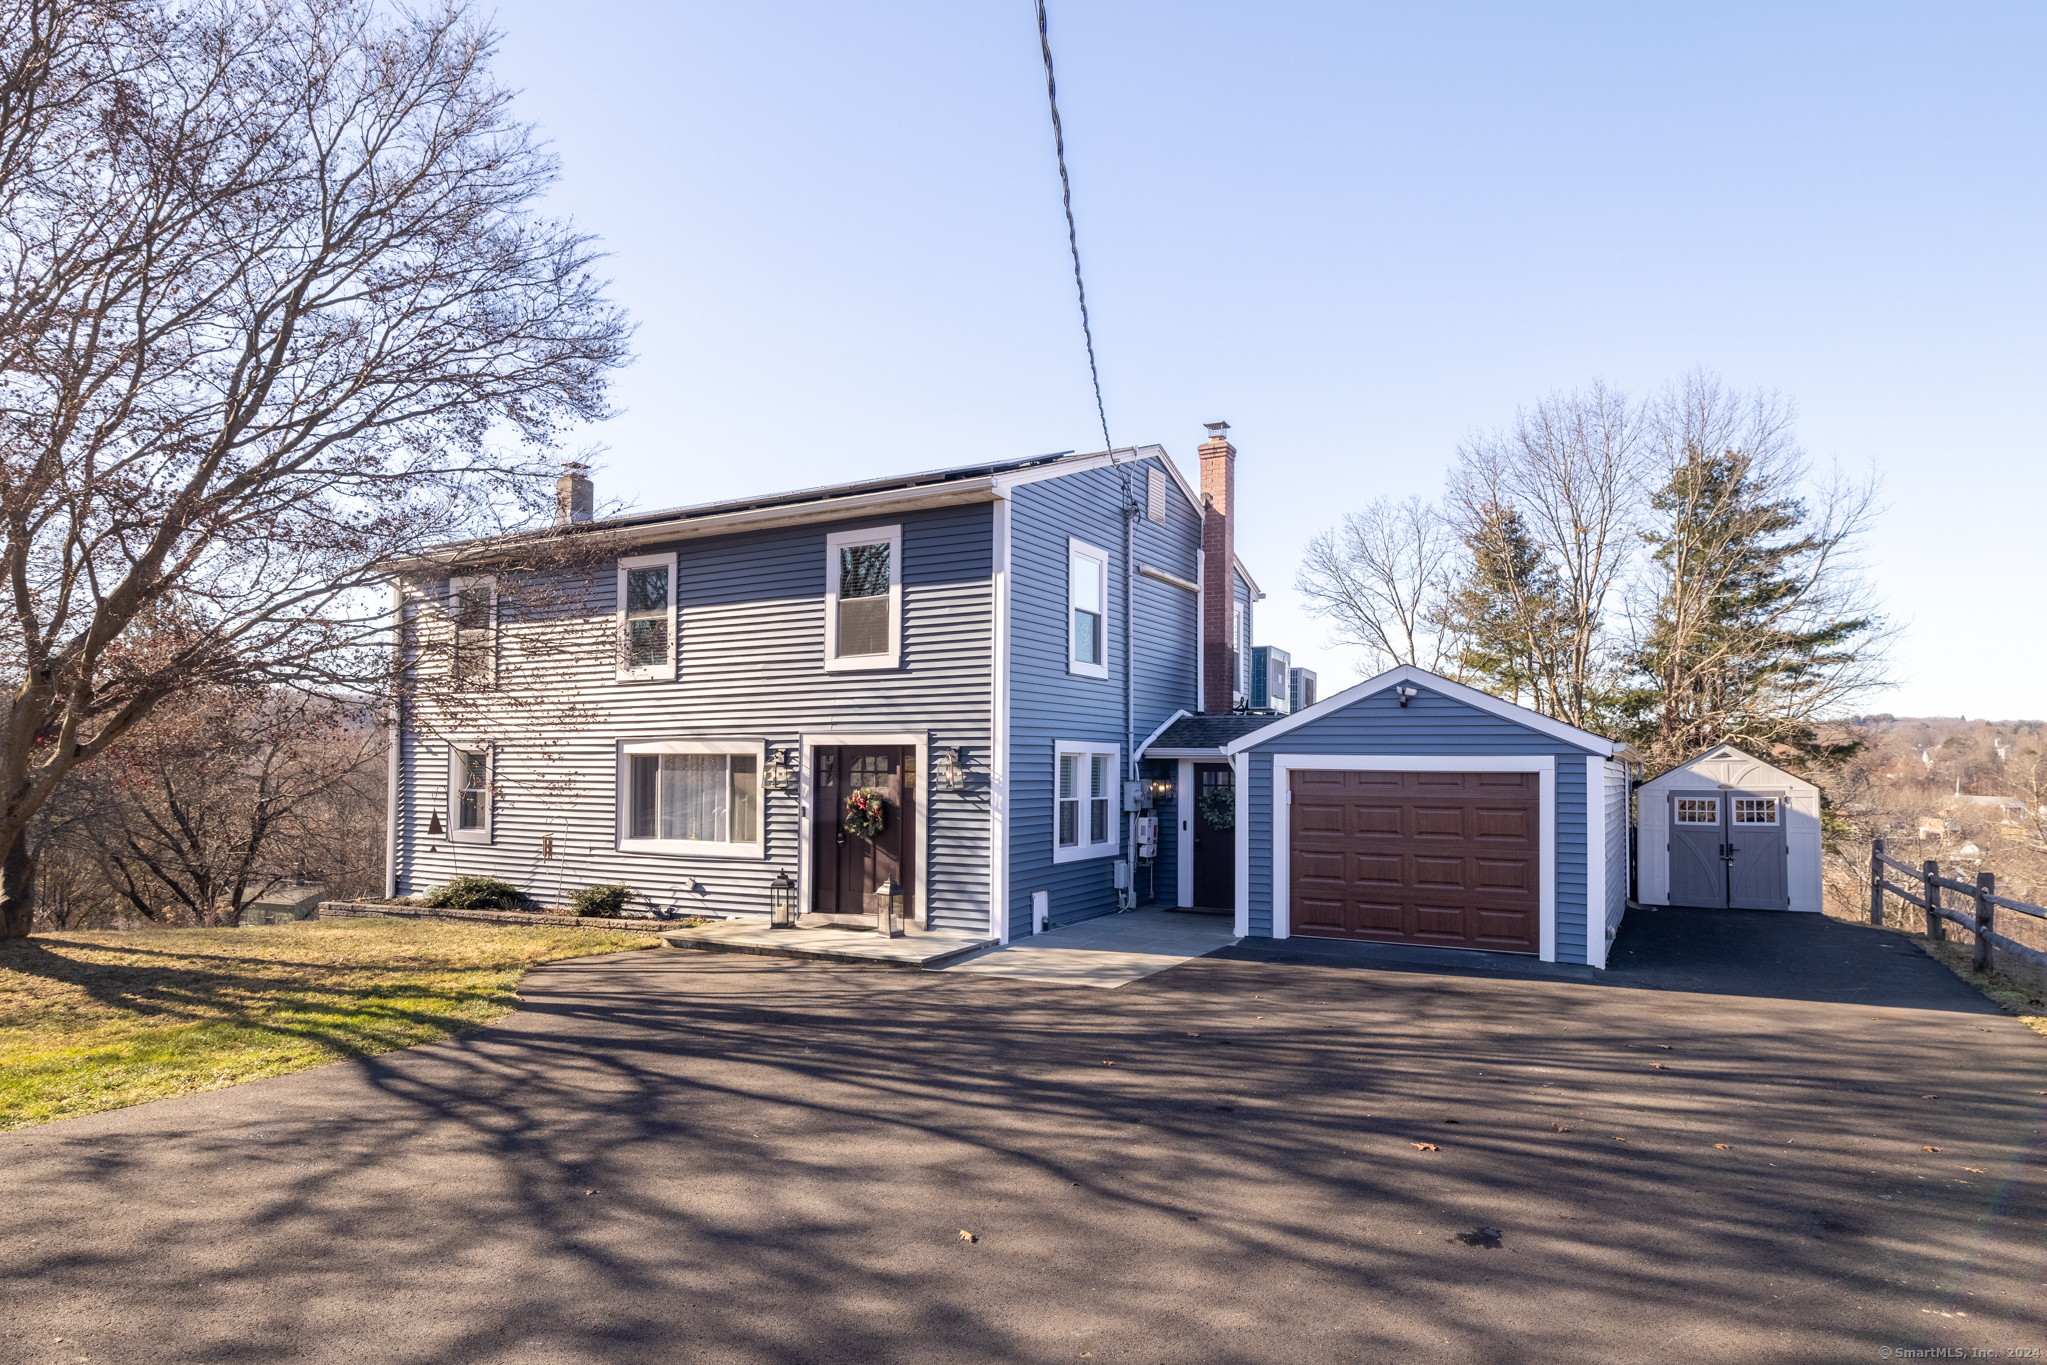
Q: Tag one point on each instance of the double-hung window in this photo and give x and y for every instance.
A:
(1085, 780)
(469, 793)
(863, 620)
(473, 613)
(646, 617)
(1087, 603)
(690, 796)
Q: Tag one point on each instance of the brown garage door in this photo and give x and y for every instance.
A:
(1446, 859)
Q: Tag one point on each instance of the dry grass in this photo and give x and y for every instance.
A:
(92, 1021)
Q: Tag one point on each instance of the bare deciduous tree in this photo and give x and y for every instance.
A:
(276, 294)
(1381, 578)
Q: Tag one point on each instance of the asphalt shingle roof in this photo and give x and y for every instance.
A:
(1209, 732)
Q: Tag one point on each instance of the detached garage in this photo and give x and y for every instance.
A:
(1729, 831)
(1412, 809)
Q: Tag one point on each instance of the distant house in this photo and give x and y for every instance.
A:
(936, 681)
(2007, 808)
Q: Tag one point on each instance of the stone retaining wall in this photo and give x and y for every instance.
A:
(371, 909)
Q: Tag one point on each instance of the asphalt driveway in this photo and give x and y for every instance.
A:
(687, 1157)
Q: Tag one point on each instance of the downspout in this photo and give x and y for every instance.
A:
(1127, 898)
(395, 720)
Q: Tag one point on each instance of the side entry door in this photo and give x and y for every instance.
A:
(1698, 850)
(1215, 840)
(1756, 875)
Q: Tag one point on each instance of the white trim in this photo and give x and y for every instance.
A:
(1183, 850)
(456, 834)
(829, 739)
(665, 671)
(1240, 774)
(1200, 635)
(753, 849)
(1088, 751)
(1144, 749)
(1408, 673)
(395, 722)
(998, 749)
(1080, 549)
(1544, 765)
(1250, 584)
(861, 663)
(1595, 861)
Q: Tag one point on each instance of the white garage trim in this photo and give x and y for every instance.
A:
(1240, 766)
(1183, 847)
(1595, 860)
(1544, 765)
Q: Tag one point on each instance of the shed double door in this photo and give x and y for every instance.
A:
(847, 868)
(1446, 859)
(1728, 850)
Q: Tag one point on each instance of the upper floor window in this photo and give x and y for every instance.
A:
(472, 605)
(1085, 777)
(863, 625)
(690, 796)
(1087, 596)
(469, 793)
(646, 616)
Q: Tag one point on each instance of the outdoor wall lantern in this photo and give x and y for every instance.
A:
(782, 902)
(888, 919)
(781, 772)
(1161, 789)
(951, 775)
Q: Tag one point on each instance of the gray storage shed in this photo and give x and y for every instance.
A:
(1728, 830)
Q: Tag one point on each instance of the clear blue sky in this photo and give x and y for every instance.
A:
(1356, 232)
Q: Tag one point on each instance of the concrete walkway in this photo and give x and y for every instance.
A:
(824, 945)
(1112, 950)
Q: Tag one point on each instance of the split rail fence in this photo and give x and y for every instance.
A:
(1984, 903)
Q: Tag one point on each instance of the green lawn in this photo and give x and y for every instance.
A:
(92, 1021)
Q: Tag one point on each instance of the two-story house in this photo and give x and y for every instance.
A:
(939, 681)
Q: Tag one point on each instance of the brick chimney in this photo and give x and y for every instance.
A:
(1219, 574)
(575, 497)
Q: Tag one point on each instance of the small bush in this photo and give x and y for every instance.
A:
(475, 893)
(601, 902)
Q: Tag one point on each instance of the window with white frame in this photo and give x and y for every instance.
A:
(1087, 597)
(1698, 810)
(1085, 779)
(1755, 810)
(646, 616)
(473, 612)
(1155, 495)
(469, 793)
(863, 623)
(690, 796)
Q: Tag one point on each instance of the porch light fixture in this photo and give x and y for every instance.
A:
(1161, 789)
(780, 775)
(951, 775)
(1407, 694)
(888, 919)
(782, 902)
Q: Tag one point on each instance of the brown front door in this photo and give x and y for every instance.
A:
(1215, 844)
(848, 867)
(1444, 859)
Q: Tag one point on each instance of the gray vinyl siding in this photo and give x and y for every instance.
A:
(750, 627)
(1049, 704)
(1430, 724)
(1616, 843)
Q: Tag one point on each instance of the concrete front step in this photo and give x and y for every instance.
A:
(825, 945)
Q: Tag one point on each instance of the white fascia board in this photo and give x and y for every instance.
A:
(1257, 593)
(1408, 673)
(1216, 755)
(1177, 715)
(1081, 464)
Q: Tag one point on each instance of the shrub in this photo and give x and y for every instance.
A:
(475, 893)
(601, 902)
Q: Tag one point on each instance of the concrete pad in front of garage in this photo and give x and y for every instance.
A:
(1105, 952)
(724, 1158)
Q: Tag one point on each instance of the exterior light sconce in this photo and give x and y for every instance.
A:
(780, 775)
(888, 917)
(1407, 694)
(951, 775)
(782, 902)
(433, 825)
(1161, 789)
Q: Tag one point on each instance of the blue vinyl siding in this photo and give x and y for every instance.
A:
(1431, 724)
(750, 625)
(1048, 704)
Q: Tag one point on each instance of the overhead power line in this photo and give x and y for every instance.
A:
(1072, 235)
